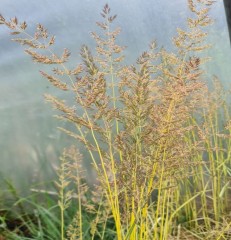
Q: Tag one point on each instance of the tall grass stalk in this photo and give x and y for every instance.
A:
(147, 129)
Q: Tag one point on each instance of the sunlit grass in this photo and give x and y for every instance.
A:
(157, 138)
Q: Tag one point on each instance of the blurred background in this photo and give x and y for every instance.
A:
(30, 143)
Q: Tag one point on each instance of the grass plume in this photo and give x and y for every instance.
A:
(146, 128)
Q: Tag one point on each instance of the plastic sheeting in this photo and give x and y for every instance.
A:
(29, 139)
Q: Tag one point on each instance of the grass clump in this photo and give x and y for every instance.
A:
(152, 131)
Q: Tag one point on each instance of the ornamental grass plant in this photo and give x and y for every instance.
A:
(153, 131)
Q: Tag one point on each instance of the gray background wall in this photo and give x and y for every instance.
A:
(29, 140)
